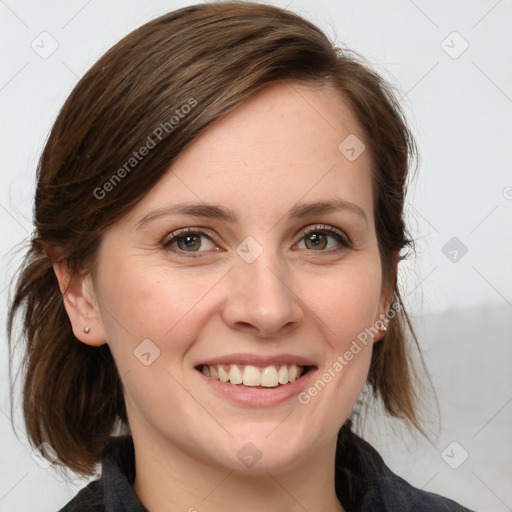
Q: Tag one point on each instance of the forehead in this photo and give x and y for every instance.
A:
(283, 145)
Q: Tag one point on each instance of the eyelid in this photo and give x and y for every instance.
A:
(330, 230)
(339, 235)
(170, 237)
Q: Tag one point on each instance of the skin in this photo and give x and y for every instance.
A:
(277, 149)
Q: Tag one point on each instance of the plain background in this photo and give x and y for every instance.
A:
(451, 63)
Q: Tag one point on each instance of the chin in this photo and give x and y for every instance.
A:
(266, 448)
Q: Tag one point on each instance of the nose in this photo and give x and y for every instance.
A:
(260, 300)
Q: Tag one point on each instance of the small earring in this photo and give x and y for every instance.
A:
(384, 327)
(87, 330)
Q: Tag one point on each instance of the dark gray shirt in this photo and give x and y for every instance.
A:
(363, 482)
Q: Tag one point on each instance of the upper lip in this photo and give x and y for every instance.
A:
(258, 360)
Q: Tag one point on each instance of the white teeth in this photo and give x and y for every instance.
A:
(223, 374)
(269, 377)
(282, 376)
(235, 375)
(214, 373)
(249, 375)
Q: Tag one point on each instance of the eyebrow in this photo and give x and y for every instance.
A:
(298, 211)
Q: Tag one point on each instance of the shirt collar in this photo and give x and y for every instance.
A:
(118, 475)
(354, 458)
(363, 482)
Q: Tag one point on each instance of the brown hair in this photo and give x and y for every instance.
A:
(211, 57)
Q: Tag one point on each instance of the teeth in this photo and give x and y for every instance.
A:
(282, 375)
(269, 377)
(235, 375)
(223, 374)
(214, 372)
(252, 376)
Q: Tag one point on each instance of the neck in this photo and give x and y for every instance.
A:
(169, 479)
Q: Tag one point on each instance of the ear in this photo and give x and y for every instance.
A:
(385, 303)
(382, 320)
(81, 305)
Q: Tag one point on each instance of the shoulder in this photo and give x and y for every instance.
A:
(89, 499)
(365, 484)
(390, 492)
(113, 491)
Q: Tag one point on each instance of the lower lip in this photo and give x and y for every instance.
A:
(258, 397)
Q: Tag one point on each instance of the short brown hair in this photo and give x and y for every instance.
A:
(218, 55)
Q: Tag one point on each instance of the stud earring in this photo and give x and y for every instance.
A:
(87, 330)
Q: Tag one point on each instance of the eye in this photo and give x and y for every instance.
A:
(317, 238)
(188, 241)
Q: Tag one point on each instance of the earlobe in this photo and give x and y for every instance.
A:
(382, 322)
(382, 326)
(387, 302)
(81, 305)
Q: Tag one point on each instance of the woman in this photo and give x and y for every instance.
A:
(213, 276)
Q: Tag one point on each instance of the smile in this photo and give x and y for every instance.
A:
(271, 376)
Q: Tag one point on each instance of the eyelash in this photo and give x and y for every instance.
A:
(338, 235)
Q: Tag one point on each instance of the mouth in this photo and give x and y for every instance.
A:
(258, 377)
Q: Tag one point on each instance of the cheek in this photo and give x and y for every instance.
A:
(140, 300)
(348, 303)
(146, 298)
(348, 307)
(348, 310)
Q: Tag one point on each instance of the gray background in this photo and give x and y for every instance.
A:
(459, 104)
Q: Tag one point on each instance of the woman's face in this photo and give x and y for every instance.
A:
(267, 279)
